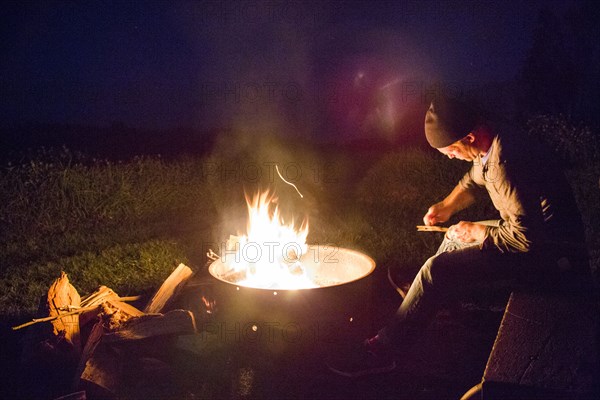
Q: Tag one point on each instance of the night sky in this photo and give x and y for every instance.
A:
(211, 64)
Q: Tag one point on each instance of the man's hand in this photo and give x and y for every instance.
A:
(467, 232)
(459, 199)
(437, 214)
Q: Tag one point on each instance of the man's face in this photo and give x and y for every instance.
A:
(462, 149)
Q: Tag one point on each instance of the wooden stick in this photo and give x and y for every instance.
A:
(427, 228)
(77, 311)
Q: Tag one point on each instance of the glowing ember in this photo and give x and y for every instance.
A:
(269, 255)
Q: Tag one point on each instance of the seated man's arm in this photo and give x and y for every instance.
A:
(523, 225)
(460, 198)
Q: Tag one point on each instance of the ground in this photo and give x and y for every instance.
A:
(449, 360)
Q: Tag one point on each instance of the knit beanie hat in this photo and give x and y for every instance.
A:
(448, 120)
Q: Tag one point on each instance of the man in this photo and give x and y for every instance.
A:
(539, 239)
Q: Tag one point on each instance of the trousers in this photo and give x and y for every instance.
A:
(453, 271)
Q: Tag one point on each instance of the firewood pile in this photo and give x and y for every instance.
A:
(83, 345)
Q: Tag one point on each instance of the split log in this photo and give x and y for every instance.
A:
(102, 373)
(98, 367)
(90, 346)
(62, 298)
(98, 297)
(124, 307)
(119, 312)
(94, 309)
(106, 369)
(114, 314)
(106, 295)
(168, 289)
(176, 322)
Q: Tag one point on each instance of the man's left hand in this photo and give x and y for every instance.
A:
(467, 232)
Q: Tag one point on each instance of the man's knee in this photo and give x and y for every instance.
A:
(435, 271)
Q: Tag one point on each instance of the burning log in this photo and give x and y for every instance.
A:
(234, 276)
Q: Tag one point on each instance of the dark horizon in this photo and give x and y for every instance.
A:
(205, 65)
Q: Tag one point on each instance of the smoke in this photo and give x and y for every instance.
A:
(245, 161)
(256, 62)
(301, 68)
(277, 78)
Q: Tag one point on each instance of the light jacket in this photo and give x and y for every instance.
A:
(531, 193)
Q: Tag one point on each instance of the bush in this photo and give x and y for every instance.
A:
(575, 144)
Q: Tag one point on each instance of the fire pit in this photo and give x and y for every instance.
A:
(337, 307)
(270, 286)
(322, 266)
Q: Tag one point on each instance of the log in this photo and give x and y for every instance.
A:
(176, 322)
(62, 298)
(115, 314)
(90, 346)
(103, 295)
(125, 308)
(87, 312)
(98, 297)
(168, 289)
(99, 367)
(103, 373)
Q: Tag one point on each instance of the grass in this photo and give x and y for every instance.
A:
(128, 224)
(102, 222)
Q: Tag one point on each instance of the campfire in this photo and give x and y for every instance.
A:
(269, 255)
(273, 254)
(273, 288)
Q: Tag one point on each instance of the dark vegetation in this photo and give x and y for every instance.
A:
(127, 223)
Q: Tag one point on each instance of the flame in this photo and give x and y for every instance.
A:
(268, 256)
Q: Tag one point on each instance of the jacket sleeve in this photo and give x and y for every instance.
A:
(515, 197)
(467, 181)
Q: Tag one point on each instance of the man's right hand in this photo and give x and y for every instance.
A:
(437, 214)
